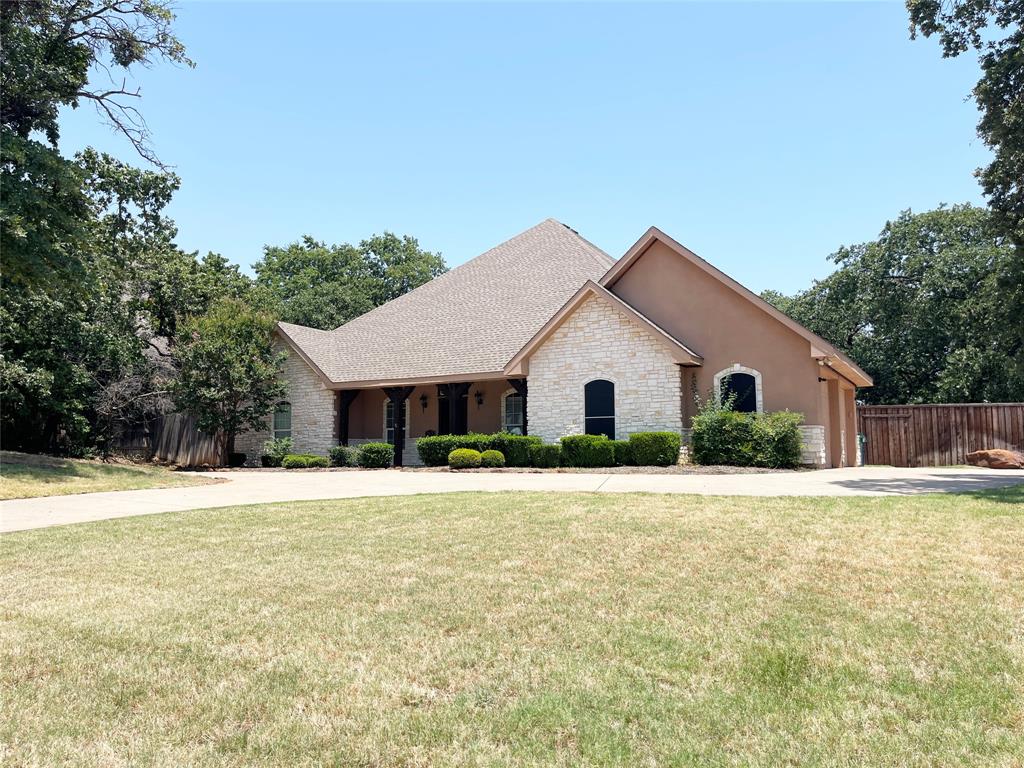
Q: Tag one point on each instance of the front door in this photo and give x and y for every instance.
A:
(449, 422)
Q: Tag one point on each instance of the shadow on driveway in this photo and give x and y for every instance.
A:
(1008, 489)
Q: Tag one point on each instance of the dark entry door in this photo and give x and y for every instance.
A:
(449, 422)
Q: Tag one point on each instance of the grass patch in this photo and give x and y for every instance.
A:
(24, 476)
(522, 629)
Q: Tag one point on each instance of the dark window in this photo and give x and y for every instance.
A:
(599, 406)
(744, 389)
(282, 420)
(389, 420)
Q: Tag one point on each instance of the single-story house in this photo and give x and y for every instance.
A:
(548, 335)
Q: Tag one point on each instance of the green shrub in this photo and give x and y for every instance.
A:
(304, 461)
(545, 455)
(587, 451)
(492, 459)
(465, 458)
(777, 440)
(274, 451)
(655, 449)
(344, 456)
(434, 450)
(376, 455)
(623, 453)
(515, 448)
(722, 436)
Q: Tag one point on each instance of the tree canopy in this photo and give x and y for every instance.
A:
(922, 309)
(326, 286)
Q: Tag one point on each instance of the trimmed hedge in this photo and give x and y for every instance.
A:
(344, 456)
(304, 461)
(747, 439)
(433, 451)
(492, 459)
(464, 458)
(376, 455)
(542, 455)
(655, 449)
(587, 451)
(515, 448)
(623, 453)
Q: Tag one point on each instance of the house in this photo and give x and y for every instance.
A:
(548, 335)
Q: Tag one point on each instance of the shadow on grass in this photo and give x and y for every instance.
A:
(1012, 494)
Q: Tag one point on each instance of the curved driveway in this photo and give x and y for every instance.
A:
(262, 487)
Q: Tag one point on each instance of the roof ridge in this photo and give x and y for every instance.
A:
(460, 268)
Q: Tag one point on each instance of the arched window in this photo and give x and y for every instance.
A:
(282, 420)
(512, 412)
(599, 408)
(389, 419)
(743, 386)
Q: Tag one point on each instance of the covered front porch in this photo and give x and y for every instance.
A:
(436, 408)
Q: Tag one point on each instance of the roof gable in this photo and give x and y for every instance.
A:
(820, 348)
(464, 324)
(679, 351)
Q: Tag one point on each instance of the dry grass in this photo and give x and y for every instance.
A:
(522, 629)
(25, 476)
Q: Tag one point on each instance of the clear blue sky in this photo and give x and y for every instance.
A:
(762, 136)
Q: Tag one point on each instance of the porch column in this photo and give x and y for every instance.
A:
(345, 398)
(397, 396)
(519, 385)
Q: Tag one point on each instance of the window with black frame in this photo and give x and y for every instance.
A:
(742, 388)
(599, 408)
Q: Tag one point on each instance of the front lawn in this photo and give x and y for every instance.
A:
(25, 475)
(522, 629)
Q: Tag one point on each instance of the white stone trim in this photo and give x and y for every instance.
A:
(506, 393)
(812, 449)
(737, 368)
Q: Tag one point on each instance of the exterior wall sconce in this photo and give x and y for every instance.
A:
(423, 401)
(479, 396)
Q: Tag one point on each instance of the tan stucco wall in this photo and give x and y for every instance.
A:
(366, 414)
(725, 328)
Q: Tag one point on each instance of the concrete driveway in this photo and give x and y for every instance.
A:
(262, 487)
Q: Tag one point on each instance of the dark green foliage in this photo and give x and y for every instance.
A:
(725, 437)
(433, 451)
(228, 371)
(776, 438)
(344, 456)
(304, 461)
(925, 309)
(546, 455)
(492, 459)
(623, 453)
(515, 448)
(376, 455)
(587, 451)
(655, 449)
(325, 286)
(464, 458)
(275, 450)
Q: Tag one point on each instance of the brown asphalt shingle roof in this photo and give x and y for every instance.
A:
(470, 320)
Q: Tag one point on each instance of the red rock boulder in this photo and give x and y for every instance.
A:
(996, 458)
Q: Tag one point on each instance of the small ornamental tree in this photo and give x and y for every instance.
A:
(228, 371)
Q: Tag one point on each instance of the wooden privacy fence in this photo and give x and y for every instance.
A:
(937, 435)
(174, 438)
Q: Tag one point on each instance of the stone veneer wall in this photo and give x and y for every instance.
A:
(599, 342)
(812, 452)
(314, 412)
